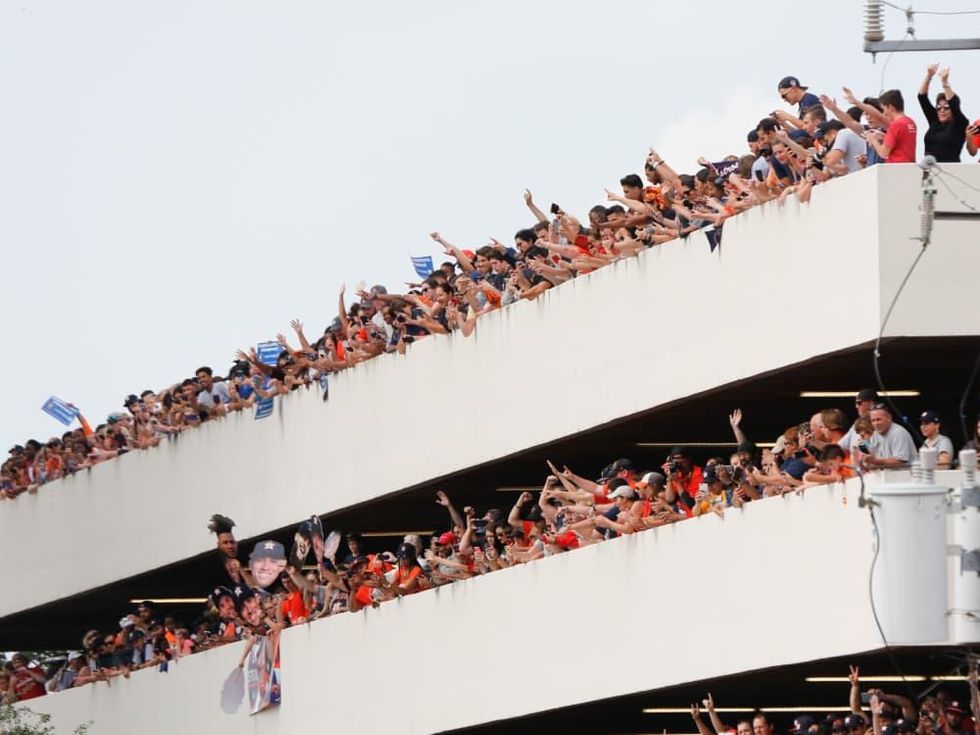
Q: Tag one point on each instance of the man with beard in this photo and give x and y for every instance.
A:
(231, 569)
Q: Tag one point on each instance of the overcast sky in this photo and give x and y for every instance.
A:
(180, 179)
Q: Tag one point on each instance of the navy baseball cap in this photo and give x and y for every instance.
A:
(787, 82)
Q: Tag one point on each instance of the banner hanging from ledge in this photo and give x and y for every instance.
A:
(264, 407)
(262, 676)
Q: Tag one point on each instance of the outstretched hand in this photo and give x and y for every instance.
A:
(735, 418)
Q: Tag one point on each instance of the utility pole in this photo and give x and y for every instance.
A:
(874, 34)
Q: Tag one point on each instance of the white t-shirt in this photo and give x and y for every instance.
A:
(206, 397)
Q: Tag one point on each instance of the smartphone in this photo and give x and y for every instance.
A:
(865, 697)
(758, 175)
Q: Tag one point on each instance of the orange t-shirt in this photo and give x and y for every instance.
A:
(363, 596)
(293, 607)
(404, 576)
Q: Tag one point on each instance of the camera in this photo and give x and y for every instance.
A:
(674, 467)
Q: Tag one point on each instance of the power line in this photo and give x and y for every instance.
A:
(965, 183)
(884, 68)
(909, 12)
(956, 196)
(946, 12)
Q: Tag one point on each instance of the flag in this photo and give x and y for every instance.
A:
(724, 168)
(58, 409)
(268, 352)
(714, 236)
(263, 407)
(423, 265)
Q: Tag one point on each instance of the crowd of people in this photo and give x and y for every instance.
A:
(869, 712)
(787, 154)
(273, 589)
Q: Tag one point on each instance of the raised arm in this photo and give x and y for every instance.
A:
(716, 722)
(854, 700)
(849, 122)
(464, 263)
(664, 170)
(514, 517)
(924, 102)
(342, 312)
(297, 326)
(443, 500)
(698, 721)
(529, 201)
(872, 112)
(631, 204)
(735, 421)
(951, 97)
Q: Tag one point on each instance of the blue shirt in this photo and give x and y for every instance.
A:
(807, 100)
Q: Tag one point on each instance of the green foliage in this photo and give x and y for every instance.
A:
(22, 721)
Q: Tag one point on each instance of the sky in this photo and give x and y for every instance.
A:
(181, 179)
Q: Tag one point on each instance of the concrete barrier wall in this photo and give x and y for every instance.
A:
(711, 597)
(846, 251)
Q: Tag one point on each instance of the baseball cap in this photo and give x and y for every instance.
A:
(852, 721)
(72, 655)
(447, 538)
(866, 394)
(241, 595)
(268, 550)
(826, 126)
(955, 706)
(622, 464)
(680, 452)
(623, 491)
(653, 478)
(752, 136)
(929, 417)
(125, 622)
(787, 82)
(567, 540)
(802, 723)
(218, 592)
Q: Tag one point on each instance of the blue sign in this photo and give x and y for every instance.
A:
(60, 410)
(264, 407)
(423, 265)
(268, 352)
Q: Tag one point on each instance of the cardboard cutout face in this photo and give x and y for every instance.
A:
(302, 543)
(317, 537)
(267, 560)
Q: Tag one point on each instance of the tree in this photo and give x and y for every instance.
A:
(22, 721)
